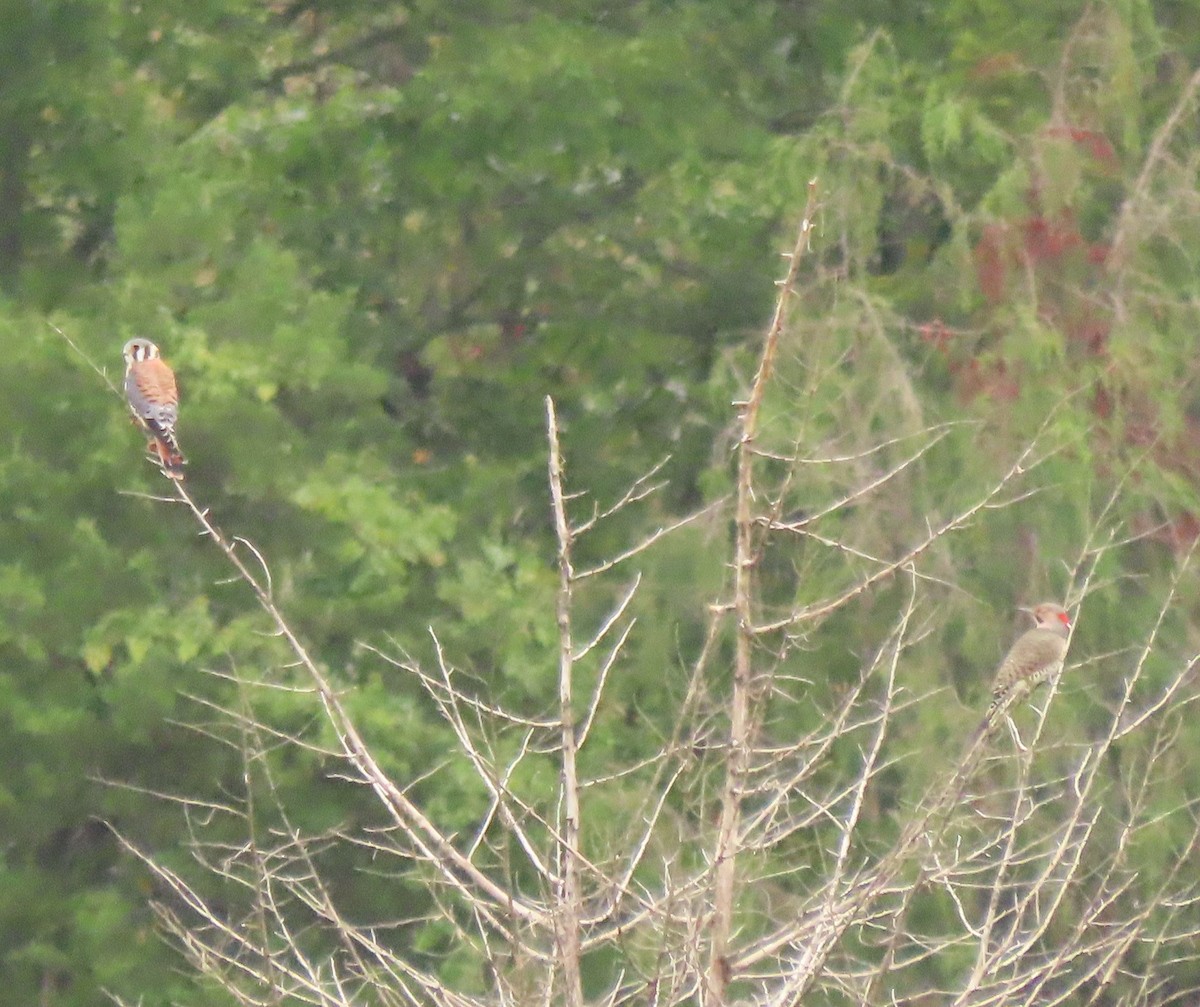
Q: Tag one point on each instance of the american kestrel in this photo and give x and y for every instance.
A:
(154, 402)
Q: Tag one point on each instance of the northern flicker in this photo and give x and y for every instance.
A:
(1036, 657)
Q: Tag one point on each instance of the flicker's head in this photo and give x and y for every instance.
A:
(1052, 616)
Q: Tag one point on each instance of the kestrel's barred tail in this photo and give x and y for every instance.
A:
(1036, 657)
(154, 401)
(165, 449)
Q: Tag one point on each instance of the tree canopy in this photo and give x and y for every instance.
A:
(373, 239)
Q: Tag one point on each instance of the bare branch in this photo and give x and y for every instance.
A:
(724, 855)
(568, 911)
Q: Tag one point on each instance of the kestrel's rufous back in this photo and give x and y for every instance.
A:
(154, 401)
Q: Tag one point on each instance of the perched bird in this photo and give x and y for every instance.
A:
(1036, 657)
(154, 402)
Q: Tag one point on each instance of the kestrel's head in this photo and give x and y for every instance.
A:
(1052, 616)
(139, 349)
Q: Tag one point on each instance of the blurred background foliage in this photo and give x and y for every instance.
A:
(371, 237)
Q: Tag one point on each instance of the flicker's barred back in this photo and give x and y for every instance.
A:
(1036, 657)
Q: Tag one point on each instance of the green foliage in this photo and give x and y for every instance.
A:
(371, 239)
